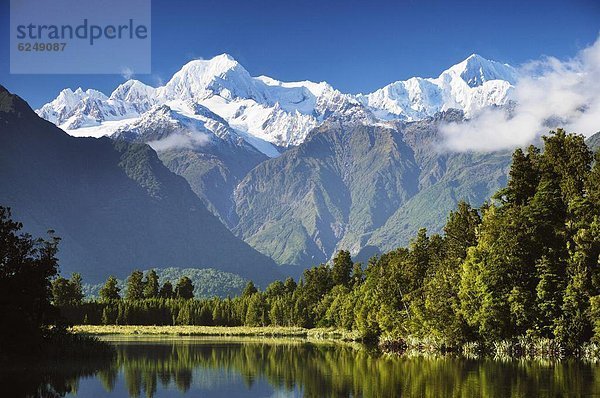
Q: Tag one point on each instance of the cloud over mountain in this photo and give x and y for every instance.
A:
(550, 93)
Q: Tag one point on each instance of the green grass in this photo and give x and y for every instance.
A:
(241, 331)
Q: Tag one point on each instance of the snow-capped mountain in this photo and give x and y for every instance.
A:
(73, 110)
(182, 124)
(470, 86)
(268, 113)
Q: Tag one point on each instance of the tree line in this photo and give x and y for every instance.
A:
(526, 263)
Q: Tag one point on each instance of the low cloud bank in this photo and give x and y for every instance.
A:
(550, 93)
(180, 141)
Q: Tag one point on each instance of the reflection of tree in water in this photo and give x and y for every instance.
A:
(46, 379)
(342, 371)
(317, 370)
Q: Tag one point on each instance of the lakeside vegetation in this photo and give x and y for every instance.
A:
(523, 267)
(218, 331)
(33, 327)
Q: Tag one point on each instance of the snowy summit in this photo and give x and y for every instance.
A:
(268, 113)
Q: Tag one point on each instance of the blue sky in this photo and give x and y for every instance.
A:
(357, 46)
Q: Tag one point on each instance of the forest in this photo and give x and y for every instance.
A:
(524, 264)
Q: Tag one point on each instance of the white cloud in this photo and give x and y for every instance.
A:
(550, 93)
(127, 73)
(180, 141)
(158, 80)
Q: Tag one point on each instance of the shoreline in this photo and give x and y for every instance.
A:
(217, 331)
(520, 348)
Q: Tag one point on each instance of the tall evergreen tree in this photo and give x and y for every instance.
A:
(290, 285)
(249, 290)
(151, 285)
(135, 286)
(358, 275)
(342, 268)
(418, 263)
(570, 158)
(523, 175)
(110, 290)
(77, 286)
(166, 291)
(184, 288)
(460, 231)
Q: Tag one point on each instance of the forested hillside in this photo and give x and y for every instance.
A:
(524, 264)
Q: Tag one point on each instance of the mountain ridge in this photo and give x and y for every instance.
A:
(268, 109)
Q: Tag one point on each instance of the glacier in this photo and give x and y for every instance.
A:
(225, 101)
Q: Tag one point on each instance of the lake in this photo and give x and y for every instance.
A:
(251, 367)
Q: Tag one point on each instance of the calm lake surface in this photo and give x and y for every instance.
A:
(210, 367)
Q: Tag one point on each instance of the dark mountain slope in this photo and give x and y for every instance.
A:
(115, 204)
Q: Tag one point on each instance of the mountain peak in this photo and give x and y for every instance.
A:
(216, 65)
(133, 91)
(224, 57)
(199, 78)
(476, 57)
(476, 70)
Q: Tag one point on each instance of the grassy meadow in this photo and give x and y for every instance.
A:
(225, 331)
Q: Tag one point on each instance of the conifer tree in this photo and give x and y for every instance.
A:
(151, 285)
(110, 290)
(184, 288)
(135, 286)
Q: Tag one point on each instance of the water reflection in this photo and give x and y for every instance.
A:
(262, 368)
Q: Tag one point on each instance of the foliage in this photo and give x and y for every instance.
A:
(27, 266)
(110, 290)
(520, 273)
(29, 291)
(67, 291)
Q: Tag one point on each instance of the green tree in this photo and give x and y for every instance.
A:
(523, 175)
(290, 285)
(358, 275)
(485, 285)
(67, 291)
(550, 290)
(166, 291)
(418, 263)
(184, 288)
(275, 289)
(592, 184)
(342, 267)
(61, 291)
(249, 290)
(151, 285)
(135, 286)
(460, 231)
(26, 267)
(109, 315)
(77, 286)
(110, 291)
(574, 326)
(570, 158)
(277, 313)
(256, 315)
